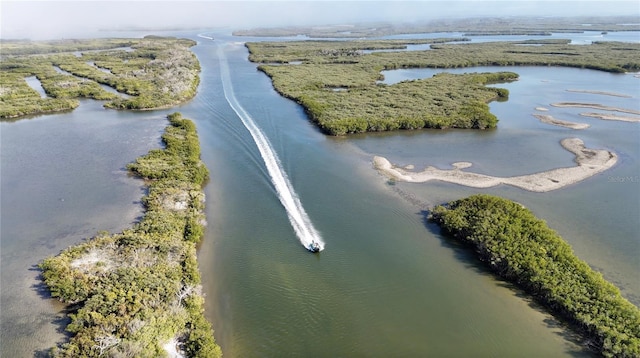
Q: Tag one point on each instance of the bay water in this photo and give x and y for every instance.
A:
(387, 283)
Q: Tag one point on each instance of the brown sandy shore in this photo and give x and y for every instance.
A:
(590, 162)
(557, 122)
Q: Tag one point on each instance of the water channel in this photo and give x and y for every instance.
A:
(387, 283)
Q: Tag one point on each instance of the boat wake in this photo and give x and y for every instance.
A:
(307, 234)
(205, 36)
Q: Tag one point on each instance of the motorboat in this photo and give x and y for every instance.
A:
(314, 247)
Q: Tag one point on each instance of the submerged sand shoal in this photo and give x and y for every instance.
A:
(590, 162)
(612, 117)
(595, 106)
(603, 93)
(558, 122)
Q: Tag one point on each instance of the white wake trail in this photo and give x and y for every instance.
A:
(298, 217)
(205, 36)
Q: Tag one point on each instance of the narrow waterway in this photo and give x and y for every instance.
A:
(387, 283)
(34, 83)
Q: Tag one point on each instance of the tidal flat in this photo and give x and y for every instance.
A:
(589, 163)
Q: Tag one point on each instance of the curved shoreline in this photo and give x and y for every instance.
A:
(590, 162)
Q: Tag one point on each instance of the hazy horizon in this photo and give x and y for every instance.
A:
(63, 19)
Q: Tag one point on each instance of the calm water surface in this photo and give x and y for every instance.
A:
(600, 217)
(387, 283)
(63, 180)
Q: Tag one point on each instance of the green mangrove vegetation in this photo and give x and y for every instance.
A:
(522, 249)
(337, 82)
(26, 47)
(469, 26)
(148, 73)
(138, 293)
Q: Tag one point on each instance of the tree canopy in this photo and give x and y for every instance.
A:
(523, 249)
(337, 81)
(148, 73)
(133, 292)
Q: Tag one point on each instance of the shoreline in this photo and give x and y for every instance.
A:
(590, 162)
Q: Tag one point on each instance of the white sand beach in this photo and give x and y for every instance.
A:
(589, 162)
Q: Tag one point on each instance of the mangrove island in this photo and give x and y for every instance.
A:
(138, 293)
(139, 74)
(337, 82)
(522, 249)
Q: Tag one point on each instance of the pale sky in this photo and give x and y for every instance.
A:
(57, 19)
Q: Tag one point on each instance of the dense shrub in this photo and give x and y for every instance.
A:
(136, 290)
(336, 81)
(522, 249)
(153, 72)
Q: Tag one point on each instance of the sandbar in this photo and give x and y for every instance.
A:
(611, 117)
(600, 92)
(589, 162)
(595, 106)
(557, 122)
